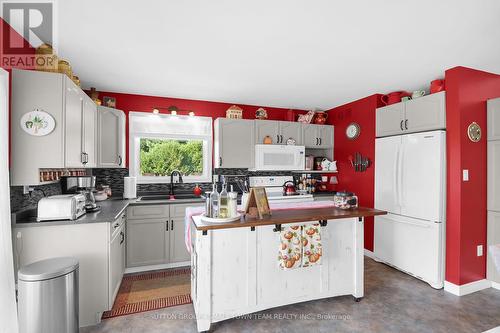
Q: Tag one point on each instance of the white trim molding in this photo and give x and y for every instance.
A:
(495, 285)
(466, 289)
(148, 268)
(370, 254)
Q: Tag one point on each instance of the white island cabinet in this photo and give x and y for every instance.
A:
(235, 270)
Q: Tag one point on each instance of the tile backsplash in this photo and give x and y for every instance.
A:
(114, 178)
(20, 201)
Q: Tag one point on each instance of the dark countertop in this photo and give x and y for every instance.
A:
(290, 216)
(111, 209)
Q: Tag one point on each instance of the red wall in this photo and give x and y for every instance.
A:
(142, 103)
(362, 183)
(466, 93)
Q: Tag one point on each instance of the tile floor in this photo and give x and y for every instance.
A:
(393, 302)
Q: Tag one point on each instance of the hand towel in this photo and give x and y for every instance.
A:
(311, 245)
(290, 251)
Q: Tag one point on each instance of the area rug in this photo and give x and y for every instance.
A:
(151, 291)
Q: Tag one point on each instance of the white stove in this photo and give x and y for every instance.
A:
(274, 189)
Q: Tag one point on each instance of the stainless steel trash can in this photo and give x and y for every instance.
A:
(48, 296)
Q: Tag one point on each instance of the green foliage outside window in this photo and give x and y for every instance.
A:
(159, 157)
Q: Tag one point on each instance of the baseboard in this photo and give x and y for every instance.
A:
(466, 289)
(369, 254)
(493, 330)
(156, 267)
(495, 285)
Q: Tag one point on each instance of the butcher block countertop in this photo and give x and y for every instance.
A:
(290, 216)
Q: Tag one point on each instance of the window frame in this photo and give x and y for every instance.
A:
(134, 153)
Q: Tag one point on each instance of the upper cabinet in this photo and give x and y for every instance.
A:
(71, 143)
(278, 131)
(234, 143)
(235, 139)
(110, 138)
(494, 119)
(317, 136)
(417, 115)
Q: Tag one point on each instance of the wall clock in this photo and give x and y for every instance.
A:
(352, 131)
(474, 132)
(37, 123)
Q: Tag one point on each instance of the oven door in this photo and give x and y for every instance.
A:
(279, 157)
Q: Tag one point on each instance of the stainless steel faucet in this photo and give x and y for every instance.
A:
(178, 173)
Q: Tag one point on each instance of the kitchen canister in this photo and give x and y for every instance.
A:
(129, 187)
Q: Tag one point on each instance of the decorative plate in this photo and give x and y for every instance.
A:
(220, 220)
(37, 123)
(474, 132)
(352, 131)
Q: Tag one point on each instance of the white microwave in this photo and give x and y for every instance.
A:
(279, 157)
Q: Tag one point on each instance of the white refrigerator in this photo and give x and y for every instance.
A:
(410, 184)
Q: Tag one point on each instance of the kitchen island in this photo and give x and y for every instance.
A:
(236, 271)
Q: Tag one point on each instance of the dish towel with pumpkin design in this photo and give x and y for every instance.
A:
(311, 245)
(290, 252)
(300, 246)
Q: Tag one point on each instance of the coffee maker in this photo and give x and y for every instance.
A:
(84, 185)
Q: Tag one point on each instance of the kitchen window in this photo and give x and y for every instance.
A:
(160, 144)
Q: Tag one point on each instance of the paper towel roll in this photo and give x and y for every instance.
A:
(129, 187)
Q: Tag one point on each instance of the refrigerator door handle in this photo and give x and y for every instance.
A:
(418, 224)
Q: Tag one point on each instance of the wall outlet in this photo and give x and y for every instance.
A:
(479, 250)
(465, 175)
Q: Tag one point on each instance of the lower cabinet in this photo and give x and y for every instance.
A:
(155, 239)
(147, 242)
(99, 248)
(116, 257)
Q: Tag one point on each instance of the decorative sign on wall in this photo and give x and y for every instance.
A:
(37, 123)
(474, 132)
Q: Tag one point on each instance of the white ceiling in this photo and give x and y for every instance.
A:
(286, 53)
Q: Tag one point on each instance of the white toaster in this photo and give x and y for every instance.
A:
(61, 207)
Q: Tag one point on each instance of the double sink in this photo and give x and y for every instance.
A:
(166, 197)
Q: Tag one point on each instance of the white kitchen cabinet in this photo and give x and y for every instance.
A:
(269, 128)
(494, 119)
(493, 235)
(279, 131)
(155, 234)
(98, 250)
(234, 143)
(493, 171)
(389, 120)
(291, 130)
(73, 127)
(89, 132)
(74, 114)
(147, 242)
(110, 138)
(317, 136)
(426, 113)
(116, 257)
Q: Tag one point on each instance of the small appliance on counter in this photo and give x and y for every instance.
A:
(289, 188)
(61, 207)
(345, 200)
(84, 185)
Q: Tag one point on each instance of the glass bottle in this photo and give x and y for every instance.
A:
(215, 201)
(223, 209)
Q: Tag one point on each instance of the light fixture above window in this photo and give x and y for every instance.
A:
(174, 110)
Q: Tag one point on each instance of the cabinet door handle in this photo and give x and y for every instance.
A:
(320, 141)
(401, 125)
(120, 160)
(406, 123)
(281, 138)
(172, 225)
(167, 225)
(122, 237)
(220, 161)
(82, 157)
